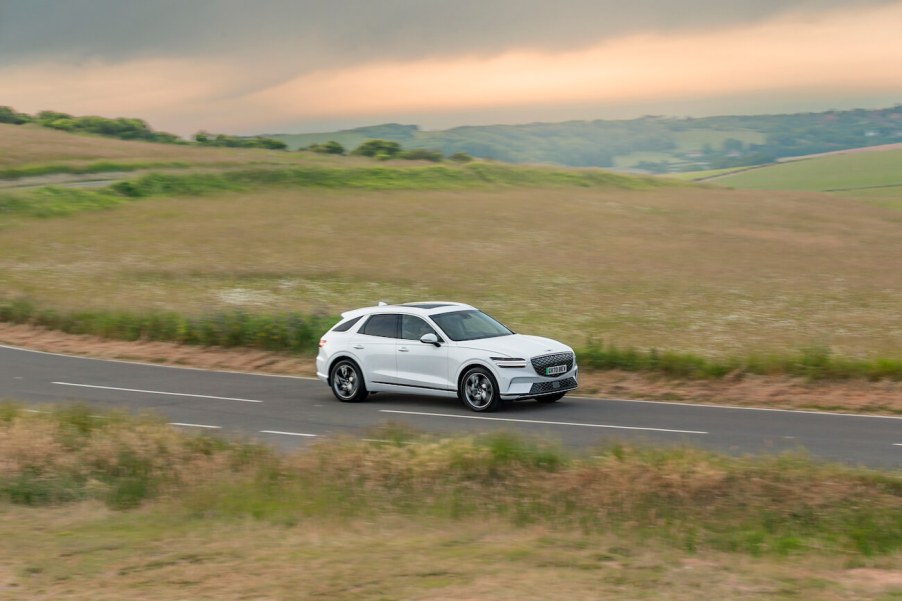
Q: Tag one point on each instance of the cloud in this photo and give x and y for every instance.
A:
(850, 50)
(270, 65)
(304, 35)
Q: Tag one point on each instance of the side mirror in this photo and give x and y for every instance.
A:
(430, 339)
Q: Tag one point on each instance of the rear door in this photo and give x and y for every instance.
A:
(375, 343)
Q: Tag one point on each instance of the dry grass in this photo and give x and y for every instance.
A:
(86, 552)
(493, 518)
(714, 272)
(30, 145)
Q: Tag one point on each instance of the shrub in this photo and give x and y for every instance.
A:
(381, 149)
(421, 154)
(330, 147)
(9, 115)
(460, 157)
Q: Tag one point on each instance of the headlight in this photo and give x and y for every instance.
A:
(514, 362)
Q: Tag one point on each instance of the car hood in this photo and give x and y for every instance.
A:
(517, 345)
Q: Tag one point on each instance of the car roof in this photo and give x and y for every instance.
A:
(415, 308)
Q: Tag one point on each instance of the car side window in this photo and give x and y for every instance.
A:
(413, 328)
(385, 326)
(344, 327)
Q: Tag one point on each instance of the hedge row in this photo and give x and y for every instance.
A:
(294, 332)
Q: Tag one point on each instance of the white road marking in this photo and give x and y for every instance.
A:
(289, 433)
(542, 422)
(897, 444)
(588, 398)
(194, 425)
(200, 396)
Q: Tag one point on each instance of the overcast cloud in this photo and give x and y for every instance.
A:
(318, 33)
(288, 65)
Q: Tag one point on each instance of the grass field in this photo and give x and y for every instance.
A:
(709, 271)
(106, 506)
(583, 256)
(845, 173)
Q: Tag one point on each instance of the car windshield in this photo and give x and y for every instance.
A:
(469, 325)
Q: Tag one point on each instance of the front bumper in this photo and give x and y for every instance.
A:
(521, 387)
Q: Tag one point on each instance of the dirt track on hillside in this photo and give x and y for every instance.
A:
(775, 392)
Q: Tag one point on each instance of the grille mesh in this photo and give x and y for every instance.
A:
(552, 387)
(544, 361)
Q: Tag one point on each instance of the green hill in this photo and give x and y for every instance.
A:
(650, 144)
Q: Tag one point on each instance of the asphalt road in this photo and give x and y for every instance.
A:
(290, 412)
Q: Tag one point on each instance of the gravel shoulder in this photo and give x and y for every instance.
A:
(772, 392)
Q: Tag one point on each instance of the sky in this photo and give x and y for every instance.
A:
(291, 66)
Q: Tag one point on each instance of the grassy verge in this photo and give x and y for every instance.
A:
(286, 332)
(107, 506)
(97, 167)
(57, 201)
(815, 363)
(297, 333)
(685, 498)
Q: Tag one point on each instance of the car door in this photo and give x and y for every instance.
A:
(421, 365)
(376, 346)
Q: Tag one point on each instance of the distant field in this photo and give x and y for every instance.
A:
(849, 172)
(25, 145)
(696, 139)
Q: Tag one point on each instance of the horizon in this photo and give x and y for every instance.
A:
(314, 66)
(543, 122)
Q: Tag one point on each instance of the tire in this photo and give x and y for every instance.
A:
(479, 391)
(551, 398)
(347, 382)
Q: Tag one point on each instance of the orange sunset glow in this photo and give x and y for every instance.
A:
(849, 53)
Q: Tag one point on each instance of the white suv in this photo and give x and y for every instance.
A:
(444, 349)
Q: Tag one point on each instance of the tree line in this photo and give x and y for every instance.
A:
(386, 149)
(130, 128)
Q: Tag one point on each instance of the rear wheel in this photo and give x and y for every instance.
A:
(478, 390)
(551, 398)
(347, 382)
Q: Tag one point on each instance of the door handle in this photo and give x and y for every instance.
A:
(403, 349)
(358, 346)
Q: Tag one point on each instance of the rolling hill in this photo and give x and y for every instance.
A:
(649, 144)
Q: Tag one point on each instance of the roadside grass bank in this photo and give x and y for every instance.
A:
(23, 171)
(684, 498)
(299, 334)
(53, 201)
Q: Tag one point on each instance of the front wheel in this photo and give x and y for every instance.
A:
(478, 390)
(347, 382)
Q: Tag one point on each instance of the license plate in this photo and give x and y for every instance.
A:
(555, 369)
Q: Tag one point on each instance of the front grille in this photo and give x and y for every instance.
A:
(554, 386)
(540, 363)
